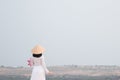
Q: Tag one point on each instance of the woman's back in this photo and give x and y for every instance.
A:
(37, 61)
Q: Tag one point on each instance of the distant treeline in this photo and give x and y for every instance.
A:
(64, 77)
(3, 77)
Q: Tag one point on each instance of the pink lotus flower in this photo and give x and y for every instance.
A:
(30, 63)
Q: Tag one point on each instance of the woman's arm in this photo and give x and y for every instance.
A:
(44, 64)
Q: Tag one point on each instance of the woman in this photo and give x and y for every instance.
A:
(38, 64)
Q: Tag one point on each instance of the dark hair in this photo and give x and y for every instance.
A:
(37, 55)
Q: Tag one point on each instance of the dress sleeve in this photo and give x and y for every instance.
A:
(44, 64)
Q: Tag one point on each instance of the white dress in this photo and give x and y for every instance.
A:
(39, 69)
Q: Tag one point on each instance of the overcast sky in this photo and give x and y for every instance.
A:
(80, 32)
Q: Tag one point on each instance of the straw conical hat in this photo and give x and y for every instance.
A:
(38, 49)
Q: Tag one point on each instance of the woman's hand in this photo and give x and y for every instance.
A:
(50, 73)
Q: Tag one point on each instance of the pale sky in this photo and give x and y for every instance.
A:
(80, 32)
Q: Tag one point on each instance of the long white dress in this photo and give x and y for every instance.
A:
(39, 69)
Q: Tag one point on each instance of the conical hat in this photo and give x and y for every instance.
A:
(38, 49)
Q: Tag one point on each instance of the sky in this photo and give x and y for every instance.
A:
(73, 32)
